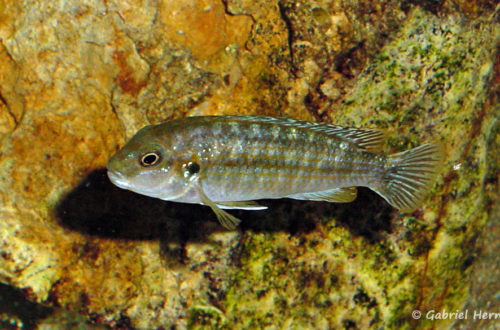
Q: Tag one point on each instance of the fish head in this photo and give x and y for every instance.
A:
(146, 166)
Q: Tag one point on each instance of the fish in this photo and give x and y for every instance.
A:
(228, 162)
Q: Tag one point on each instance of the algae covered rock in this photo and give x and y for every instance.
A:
(79, 78)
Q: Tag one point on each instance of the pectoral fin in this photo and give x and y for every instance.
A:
(244, 205)
(339, 195)
(227, 220)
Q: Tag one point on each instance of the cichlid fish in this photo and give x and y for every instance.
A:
(225, 162)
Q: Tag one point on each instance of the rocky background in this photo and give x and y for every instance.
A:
(78, 78)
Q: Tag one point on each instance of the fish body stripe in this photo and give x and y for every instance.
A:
(267, 160)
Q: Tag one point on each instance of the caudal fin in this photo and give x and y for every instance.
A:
(409, 176)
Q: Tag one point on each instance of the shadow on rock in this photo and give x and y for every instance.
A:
(97, 207)
(368, 216)
(14, 307)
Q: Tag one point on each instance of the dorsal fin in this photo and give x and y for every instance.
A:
(366, 139)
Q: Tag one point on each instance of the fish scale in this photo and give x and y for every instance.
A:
(266, 147)
(228, 161)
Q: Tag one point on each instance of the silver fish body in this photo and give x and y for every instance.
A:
(227, 161)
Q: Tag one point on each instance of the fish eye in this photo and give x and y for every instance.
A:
(150, 159)
(193, 167)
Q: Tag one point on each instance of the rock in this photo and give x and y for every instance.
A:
(77, 79)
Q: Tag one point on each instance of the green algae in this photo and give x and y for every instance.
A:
(430, 82)
(206, 317)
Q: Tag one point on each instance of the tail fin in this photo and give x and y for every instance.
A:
(409, 176)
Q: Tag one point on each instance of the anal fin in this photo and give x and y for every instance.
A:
(241, 205)
(338, 195)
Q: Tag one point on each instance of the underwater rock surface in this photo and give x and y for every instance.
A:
(79, 78)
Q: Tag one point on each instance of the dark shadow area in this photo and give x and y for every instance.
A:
(17, 311)
(99, 208)
(368, 216)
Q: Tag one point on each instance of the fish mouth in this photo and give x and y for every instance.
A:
(118, 179)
